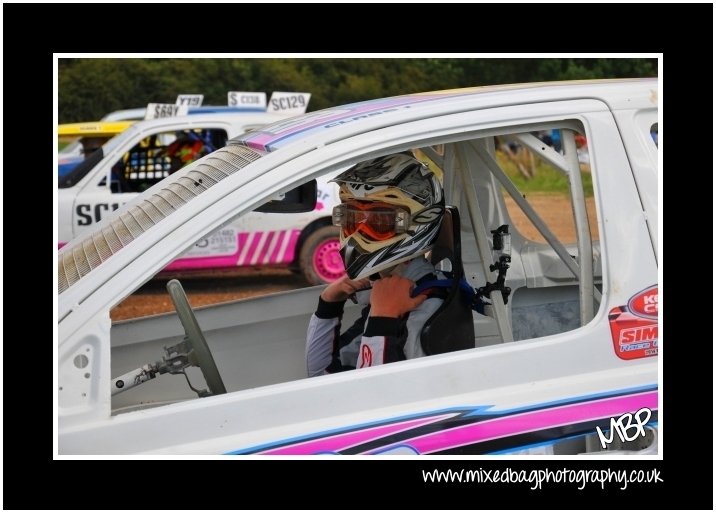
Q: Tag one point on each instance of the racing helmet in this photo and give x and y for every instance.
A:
(391, 209)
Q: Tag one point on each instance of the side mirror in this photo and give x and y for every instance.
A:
(300, 199)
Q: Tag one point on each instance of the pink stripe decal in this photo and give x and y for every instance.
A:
(345, 440)
(290, 252)
(265, 249)
(274, 256)
(252, 248)
(531, 421)
(207, 262)
(201, 263)
(243, 240)
(244, 255)
(60, 244)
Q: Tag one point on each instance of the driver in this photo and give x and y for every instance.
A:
(390, 214)
(187, 148)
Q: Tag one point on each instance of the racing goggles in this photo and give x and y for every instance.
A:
(378, 221)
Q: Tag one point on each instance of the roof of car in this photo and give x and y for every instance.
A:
(618, 93)
(235, 118)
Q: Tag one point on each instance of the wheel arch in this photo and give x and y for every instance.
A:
(305, 233)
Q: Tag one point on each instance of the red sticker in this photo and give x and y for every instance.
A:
(645, 303)
(635, 332)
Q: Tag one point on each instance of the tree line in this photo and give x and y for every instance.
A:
(89, 88)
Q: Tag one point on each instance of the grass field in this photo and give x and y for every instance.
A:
(545, 180)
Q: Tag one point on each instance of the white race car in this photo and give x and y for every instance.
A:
(562, 360)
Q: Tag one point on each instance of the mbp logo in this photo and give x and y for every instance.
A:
(623, 426)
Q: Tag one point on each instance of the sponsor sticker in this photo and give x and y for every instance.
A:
(224, 242)
(645, 303)
(635, 332)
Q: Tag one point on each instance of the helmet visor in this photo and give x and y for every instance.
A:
(375, 220)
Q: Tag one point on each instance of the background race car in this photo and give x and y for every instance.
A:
(149, 151)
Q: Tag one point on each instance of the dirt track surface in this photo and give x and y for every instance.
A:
(207, 288)
(556, 212)
(219, 286)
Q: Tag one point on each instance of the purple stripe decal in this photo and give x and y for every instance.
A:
(531, 421)
(264, 140)
(60, 244)
(274, 256)
(346, 440)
